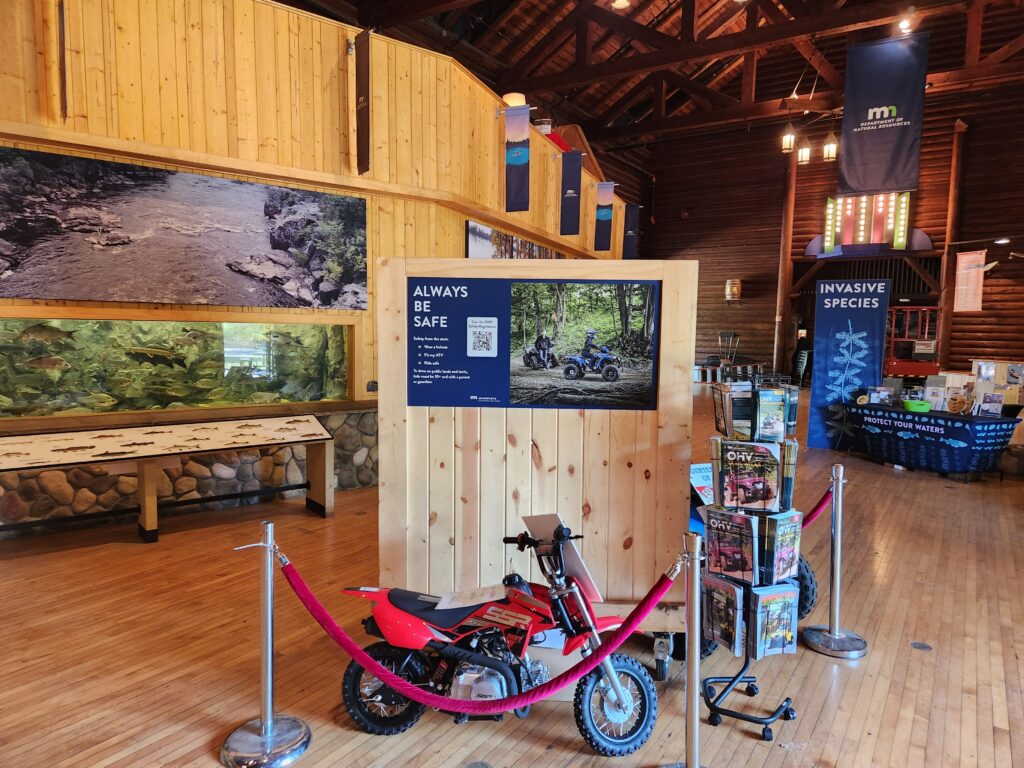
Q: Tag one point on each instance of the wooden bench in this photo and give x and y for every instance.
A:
(147, 450)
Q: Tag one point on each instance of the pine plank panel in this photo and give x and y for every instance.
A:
(620, 534)
(129, 89)
(570, 468)
(150, 101)
(442, 499)
(47, 65)
(493, 440)
(294, 90)
(92, 97)
(518, 486)
(196, 77)
(332, 80)
(13, 85)
(265, 83)
(243, 45)
(307, 89)
(467, 498)
(647, 560)
(595, 512)
(380, 127)
(215, 75)
(418, 461)
(285, 102)
(77, 98)
(167, 71)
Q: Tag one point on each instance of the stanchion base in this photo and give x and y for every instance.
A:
(245, 748)
(845, 645)
(677, 765)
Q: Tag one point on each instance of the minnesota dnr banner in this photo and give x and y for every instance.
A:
(849, 343)
(882, 115)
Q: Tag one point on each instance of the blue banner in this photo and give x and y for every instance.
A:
(850, 318)
(501, 343)
(603, 219)
(517, 158)
(631, 232)
(572, 177)
(883, 109)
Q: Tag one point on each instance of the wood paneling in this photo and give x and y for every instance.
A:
(453, 481)
(252, 90)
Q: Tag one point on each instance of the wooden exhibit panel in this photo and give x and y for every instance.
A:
(255, 91)
(454, 481)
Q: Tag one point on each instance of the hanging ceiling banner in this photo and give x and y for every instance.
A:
(603, 220)
(970, 281)
(850, 318)
(362, 46)
(572, 177)
(883, 110)
(517, 158)
(631, 232)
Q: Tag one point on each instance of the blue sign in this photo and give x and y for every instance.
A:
(502, 343)
(850, 319)
(883, 111)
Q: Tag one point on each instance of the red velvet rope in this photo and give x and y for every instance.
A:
(491, 706)
(820, 507)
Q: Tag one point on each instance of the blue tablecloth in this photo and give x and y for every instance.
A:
(937, 441)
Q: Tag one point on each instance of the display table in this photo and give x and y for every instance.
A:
(145, 450)
(936, 441)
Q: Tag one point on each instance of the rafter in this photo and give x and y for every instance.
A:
(806, 48)
(393, 13)
(1005, 52)
(539, 51)
(631, 29)
(749, 83)
(768, 36)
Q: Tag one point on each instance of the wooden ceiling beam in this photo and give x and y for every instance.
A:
(749, 83)
(543, 48)
(699, 91)
(688, 21)
(1000, 55)
(631, 30)
(378, 14)
(768, 36)
(806, 48)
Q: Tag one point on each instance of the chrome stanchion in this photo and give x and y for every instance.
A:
(270, 741)
(833, 640)
(692, 543)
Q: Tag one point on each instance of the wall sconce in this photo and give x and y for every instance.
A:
(514, 99)
(733, 291)
(788, 138)
(803, 155)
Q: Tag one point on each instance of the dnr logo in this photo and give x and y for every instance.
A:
(881, 113)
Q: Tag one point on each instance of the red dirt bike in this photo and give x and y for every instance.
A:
(481, 652)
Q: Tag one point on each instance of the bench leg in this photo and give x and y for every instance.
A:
(320, 474)
(148, 527)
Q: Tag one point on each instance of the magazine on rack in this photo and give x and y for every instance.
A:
(723, 612)
(991, 404)
(771, 414)
(732, 543)
(772, 623)
(779, 553)
(746, 474)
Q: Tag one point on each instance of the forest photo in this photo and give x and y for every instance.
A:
(586, 344)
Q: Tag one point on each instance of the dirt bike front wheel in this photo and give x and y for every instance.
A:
(605, 727)
(373, 706)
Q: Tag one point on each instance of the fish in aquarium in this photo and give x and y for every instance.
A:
(118, 365)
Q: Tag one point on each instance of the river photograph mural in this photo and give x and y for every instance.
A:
(92, 230)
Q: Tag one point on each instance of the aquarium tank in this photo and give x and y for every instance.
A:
(96, 366)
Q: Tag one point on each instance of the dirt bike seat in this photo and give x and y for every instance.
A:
(422, 605)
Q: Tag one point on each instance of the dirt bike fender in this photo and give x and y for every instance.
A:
(603, 624)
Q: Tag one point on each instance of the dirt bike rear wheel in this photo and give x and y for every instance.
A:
(609, 731)
(808, 582)
(373, 706)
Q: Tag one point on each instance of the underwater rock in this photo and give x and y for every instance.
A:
(222, 471)
(127, 484)
(359, 457)
(368, 423)
(84, 499)
(55, 484)
(83, 219)
(283, 455)
(184, 484)
(293, 474)
(12, 508)
(263, 468)
(194, 469)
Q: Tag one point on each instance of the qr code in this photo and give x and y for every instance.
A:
(483, 341)
(481, 337)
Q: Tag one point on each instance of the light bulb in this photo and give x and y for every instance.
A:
(788, 138)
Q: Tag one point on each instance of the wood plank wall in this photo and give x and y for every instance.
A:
(455, 480)
(729, 185)
(252, 90)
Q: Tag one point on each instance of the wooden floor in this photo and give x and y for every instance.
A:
(116, 653)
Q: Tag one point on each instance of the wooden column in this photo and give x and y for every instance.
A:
(320, 475)
(148, 526)
(947, 270)
(783, 303)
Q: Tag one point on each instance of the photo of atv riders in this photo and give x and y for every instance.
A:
(584, 344)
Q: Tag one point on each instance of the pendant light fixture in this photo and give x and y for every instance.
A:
(620, 5)
(830, 149)
(803, 154)
(788, 138)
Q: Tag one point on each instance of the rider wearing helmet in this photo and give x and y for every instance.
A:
(590, 345)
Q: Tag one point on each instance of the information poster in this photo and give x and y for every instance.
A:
(500, 343)
(970, 281)
(849, 342)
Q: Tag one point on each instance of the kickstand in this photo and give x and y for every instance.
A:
(714, 700)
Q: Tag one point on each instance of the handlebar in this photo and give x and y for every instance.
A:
(524, 539)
